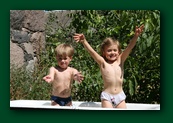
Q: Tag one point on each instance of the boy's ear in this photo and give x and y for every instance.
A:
(56, 57)
(71, 57)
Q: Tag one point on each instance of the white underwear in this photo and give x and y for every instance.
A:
(113, 99)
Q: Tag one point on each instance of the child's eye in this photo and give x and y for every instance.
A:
(59, 58)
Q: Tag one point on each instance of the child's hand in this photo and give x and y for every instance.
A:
(47, 78)
(79, 37)
(78, 77)
(139, 30)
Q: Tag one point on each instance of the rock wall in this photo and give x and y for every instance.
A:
(28, 33)
(27, 37)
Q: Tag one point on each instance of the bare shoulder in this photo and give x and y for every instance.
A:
(102, 63)
(52, 68)
(73, 70)
(119, 60)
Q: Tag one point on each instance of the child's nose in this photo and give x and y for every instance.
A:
(63, 60)
(112, 52)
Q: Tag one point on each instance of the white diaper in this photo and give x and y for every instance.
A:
(114, 99)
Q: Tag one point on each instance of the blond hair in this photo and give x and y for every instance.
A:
(108, 42)
(64, 50)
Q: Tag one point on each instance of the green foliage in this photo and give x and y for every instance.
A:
(27, 85)
(142, 68)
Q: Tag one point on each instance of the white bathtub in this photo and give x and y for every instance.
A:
(78, 105)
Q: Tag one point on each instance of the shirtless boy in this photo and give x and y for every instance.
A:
(62, 76)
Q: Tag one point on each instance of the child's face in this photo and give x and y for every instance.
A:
(111, 53)
(63, 61)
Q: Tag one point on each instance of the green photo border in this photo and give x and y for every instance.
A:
(44, 116)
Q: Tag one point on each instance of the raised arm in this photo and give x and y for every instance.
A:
(132, 43)
(92, 52)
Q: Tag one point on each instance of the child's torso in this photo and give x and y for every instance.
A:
(112, 75)
(62, 83)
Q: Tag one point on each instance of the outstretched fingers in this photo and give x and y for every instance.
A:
(78, 37)
(139, 30)
(47, 78)
(79, 77)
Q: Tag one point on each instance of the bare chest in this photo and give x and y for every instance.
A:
(63, 76)
(113, 69)
(112, 72)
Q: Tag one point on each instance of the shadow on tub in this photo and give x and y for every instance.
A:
(47, 104)
(89, 104)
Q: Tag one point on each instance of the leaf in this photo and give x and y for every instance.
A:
(149, 41)
(131, 87)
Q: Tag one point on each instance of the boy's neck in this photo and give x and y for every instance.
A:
(110, 62)
(60, 68)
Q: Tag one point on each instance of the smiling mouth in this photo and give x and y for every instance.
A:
(112, 56)
(63, 64)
